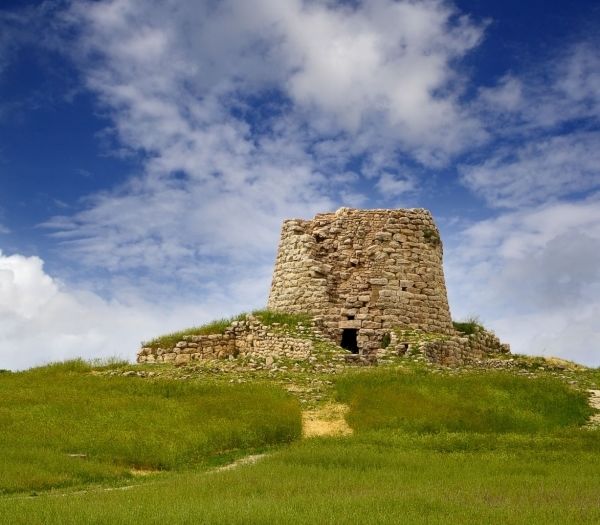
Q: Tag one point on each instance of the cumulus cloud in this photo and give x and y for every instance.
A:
(538, 171)
(545, 122)
(534, 276)
(390, 185)
(41, 319)
(340, 68)
(384, 61)
(560, 88)
(180, 81)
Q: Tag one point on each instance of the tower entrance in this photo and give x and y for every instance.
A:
(349, 340)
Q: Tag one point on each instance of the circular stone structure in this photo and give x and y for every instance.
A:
(361, 273)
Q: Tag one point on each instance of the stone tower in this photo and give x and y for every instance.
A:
(362, 273)
(374, 284)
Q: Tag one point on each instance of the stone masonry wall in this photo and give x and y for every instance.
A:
(453, 350)
(246, 337)
(367, 270)
(268, 343)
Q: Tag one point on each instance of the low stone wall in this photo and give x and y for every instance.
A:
(246, 337)
(267, 344)
(449, 350)
(483, 343)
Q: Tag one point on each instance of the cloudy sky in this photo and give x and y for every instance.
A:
(150, 150)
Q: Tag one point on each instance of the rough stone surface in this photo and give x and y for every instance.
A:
(450, 350)
(242, 338)
(370, 270)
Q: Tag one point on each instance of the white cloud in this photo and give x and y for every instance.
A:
(506, 95)
(177, 80)
(43, 320)
(390, 185)
(382, 63)
(534, 276)
(545, 121)
(553, 91)
(4, 229)
(572, 334)
(538, 171)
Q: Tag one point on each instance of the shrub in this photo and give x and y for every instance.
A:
(431, 236)
(469, 326)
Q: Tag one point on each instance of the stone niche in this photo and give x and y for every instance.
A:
(362, 273)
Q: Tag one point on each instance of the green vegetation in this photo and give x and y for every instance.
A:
(431, 446)
(431, 236)
(61, 425)
(469, 326)
(214, 327)
(386, 340)
(267, 317)
(485, 402)
(372, 478)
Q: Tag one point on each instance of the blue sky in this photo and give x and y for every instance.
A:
(150, 150)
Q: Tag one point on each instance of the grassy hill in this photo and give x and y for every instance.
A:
(429, 445)
(64, 425)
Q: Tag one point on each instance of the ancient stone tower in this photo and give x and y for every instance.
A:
(362, 273)
(374, 284)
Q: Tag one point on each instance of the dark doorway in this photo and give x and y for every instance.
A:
(349, 341)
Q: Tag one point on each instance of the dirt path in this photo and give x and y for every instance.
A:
(246, 460)
(327, 420)
(594, 403)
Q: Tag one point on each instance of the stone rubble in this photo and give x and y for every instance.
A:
(448, 350)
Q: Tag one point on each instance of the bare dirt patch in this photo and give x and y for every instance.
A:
(247, 460)
(327, 420)
(595, 403)
(138, 472)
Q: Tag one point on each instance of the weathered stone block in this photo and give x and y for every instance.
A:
(353, 324)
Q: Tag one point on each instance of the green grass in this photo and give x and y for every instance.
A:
(62, 425)
(429, 448)
(468, 326)
(479, 402)
(267, 317)
(270, 317)
(390, 475)
(170, 340)
(372, 478)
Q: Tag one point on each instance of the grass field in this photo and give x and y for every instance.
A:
(371, 478)
(489, 402)
(428, 448)
(60, 425)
